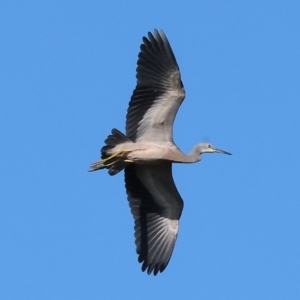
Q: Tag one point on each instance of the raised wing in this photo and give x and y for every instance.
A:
(158, 94)
(156, 207)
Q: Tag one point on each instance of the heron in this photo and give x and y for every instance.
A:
(147, 151)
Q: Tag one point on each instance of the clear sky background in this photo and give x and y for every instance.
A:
(67, 71)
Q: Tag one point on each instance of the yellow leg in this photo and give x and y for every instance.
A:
(102, 164)
(112, 156)
(107, 165)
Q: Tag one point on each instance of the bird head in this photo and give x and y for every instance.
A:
(209, 148)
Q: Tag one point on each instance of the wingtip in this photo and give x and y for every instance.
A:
(157, 33)
(152, 268)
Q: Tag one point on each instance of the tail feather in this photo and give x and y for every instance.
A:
(115, 138)
(116, 167)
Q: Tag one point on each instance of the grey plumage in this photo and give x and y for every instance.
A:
(147, 152)
(158, 86)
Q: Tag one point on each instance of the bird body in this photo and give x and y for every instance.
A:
(143, 152)
(147, 151)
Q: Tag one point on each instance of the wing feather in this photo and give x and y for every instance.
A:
(158, 94)
(156, 207)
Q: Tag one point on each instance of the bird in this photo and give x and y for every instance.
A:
(147, 151)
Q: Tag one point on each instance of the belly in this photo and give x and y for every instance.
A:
(144, 152)
(146, 155)
(155, 153)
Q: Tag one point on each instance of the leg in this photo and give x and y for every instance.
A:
(104, 163)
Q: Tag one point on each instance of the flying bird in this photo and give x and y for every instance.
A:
(147, 151)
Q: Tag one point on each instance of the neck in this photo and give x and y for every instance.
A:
(195, 154)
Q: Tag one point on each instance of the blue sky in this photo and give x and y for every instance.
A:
(67, 74)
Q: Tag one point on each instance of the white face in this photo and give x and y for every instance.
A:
(209, 148)
(206, 147)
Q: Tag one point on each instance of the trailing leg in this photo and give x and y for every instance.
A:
(113, 162)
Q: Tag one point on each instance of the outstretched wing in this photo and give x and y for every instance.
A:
(156, 207)
(158, 94)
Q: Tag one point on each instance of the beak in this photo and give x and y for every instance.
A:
(222, 151)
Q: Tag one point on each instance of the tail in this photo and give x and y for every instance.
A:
(116, 137)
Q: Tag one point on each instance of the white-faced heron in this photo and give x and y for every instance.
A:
(147, 151)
